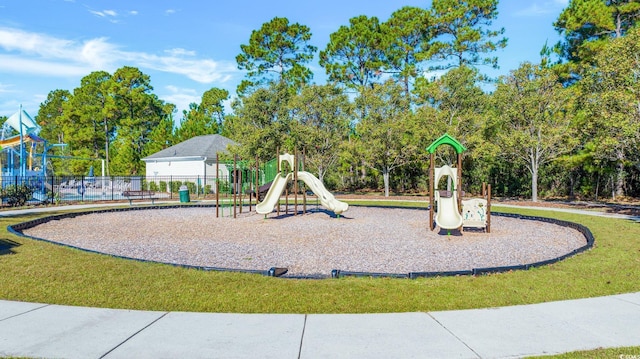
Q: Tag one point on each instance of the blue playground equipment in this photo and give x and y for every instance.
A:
(20, 146)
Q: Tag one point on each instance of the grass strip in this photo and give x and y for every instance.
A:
(621, 353)
(36, 271)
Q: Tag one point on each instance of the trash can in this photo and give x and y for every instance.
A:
(184, 194)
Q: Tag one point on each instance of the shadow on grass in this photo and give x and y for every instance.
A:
(6, 246)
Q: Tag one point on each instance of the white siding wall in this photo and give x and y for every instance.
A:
(163, 170)
(175, 168)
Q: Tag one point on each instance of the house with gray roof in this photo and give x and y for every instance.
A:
(194, 158)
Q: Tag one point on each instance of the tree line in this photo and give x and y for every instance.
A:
(566, 124)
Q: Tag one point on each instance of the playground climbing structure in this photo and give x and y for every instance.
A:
(284, 177)
(447, 210)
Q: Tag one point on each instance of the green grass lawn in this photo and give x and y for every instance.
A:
(37, 271)
(617, 353)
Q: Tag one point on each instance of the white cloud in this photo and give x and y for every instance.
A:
(46, 55)
(34, 53)
(180, 52)
(104, 13)
(539, 8)
(203, 71)
(170, 11)
(15, 64)
(5, 88)
(181, 97)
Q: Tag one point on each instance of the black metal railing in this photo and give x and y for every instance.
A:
(56, 189)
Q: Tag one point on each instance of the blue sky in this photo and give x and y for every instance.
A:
(189, 46)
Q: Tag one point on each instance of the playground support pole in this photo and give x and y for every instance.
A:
(257, 181)
(235, 184)
(489, 208)
(459, 184)
(431, 180)
(249, 189)
(217, 186)
(304, 193)
(241, 199)
(295, 181)
(278, 168)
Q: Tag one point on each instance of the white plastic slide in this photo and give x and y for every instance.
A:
(273, 195)
(447, 214)
(279, 183)
(326, 198)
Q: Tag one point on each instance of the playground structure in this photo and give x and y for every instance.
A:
(267, 184)
(282, 179)
(20, 145)
(19, 132)
(449, 210)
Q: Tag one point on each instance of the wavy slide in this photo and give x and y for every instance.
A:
(448, 216)
(447, 213)
(273, 195)
(279, 183)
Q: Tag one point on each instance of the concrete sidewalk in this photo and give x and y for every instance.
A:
(53, 331)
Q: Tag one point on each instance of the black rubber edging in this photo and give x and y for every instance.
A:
(335, 273)
(18, 229)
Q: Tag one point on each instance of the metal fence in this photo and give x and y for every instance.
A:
(55, 189)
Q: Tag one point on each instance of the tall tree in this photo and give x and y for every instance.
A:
(458, 99)
(49, 115)
(407, 34)
(354, 55)
(322, 115)
(162, 136)
(50, 118)
(205, 118)
(278, 52)
(213, 105)
(587, 25)
(460, 107)
(612, 99)
(85, 123)
(139, 112)
(386, 134)
(260, 122)
(534, 114)
(464, 34)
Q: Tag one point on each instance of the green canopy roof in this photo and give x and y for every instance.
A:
(446, 140)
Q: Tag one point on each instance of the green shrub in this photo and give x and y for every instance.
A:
(191, 186)
(224, 186)
(163, 186)
(16, 195)
(175, 186)
(153, 186)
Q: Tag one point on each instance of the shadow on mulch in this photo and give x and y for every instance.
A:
(300, 212)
